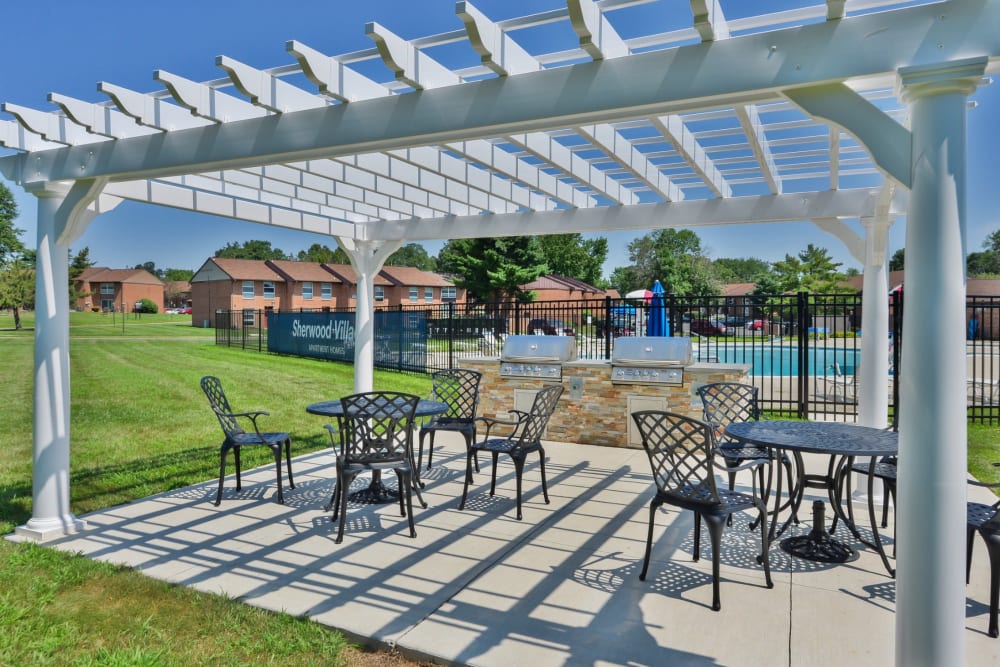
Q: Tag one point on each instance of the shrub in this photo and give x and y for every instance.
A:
(147, 306)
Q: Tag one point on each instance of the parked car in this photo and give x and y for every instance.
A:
(185, 311)
(619, 327)
(735, 321)
(550, 328)
(709, 328)
(756, 325)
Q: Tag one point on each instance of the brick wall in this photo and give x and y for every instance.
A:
(591, 409)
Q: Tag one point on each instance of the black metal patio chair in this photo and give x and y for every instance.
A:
(681, 454)
(376, 435)
(985, 520)
(525, 438)
(725, 403)
(238, 437)
(459, 389)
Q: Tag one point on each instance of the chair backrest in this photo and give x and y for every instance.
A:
(533, 428)
(459, 389)
(212, 387)
(377, 425)
(680, 455)
(728, 402)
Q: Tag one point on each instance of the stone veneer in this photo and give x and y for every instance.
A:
(591, 409)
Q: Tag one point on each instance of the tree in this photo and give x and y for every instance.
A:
(675, 258)
(412, 254)
(742, 270)
(812, 270)
(77, 265)
(17, 288)
(493, 269)
(986, 263)
(178, 275)
(151, 267)
(896, 261)
(254, 249)
(573, 256)
(324, 255)
(11, 246)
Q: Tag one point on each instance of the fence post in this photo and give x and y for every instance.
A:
(804, 318)
(517, 317)
(607, 327)
(451, 335)
(896, 304)
(260, 330)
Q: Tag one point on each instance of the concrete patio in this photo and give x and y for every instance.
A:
(477, 587)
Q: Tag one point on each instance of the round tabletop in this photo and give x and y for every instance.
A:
(834, 438)
(425, 408)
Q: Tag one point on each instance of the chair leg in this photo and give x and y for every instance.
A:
(430, 450)
(970, 540)
(404, 480)
(222, 474)
(236, 457)
(765, 546)
(468, 477)
(493, 479)
(653, 505)
(288, 462)
(344, 483)
(697, 537)
(277, 464)
(715, 527)
(518, 471)
(993, 547)
(545, 486)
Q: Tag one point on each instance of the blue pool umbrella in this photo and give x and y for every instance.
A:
(657, 325)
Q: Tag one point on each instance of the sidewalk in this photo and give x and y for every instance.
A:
(479, 588)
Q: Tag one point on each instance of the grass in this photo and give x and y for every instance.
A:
(140, 425)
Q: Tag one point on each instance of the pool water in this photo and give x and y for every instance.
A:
(782, 359)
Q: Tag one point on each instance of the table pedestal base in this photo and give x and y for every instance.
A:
(375, 493)
(818, 545)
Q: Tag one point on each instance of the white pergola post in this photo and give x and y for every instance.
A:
(367, 258)
(873, 398)
(50, 513)
(930, 575)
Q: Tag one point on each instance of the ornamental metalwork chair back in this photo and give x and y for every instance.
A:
(237, 437)
(985, 520)
(728, 402)
(525, 438)
(376, 435)
(459, 389)
(681, 454)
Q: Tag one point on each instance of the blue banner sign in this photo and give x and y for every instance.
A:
(400, 337)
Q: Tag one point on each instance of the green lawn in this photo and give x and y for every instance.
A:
(141, 425)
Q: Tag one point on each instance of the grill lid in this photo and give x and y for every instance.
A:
(547, 349)
(651, 351)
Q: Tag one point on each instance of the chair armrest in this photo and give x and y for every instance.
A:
(988, 485)
(493, 421)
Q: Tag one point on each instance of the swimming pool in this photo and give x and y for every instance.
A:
(781, 359)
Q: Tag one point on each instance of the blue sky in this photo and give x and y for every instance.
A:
(67, 46)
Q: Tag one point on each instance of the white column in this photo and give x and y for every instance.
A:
(930, 575)
(873, 398)
(50, 512)
(367, 258)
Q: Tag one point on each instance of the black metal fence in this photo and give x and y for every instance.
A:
(803, 349)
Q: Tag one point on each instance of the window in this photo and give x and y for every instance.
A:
(107, 288)
(248, 292)
(428, 294)
(307, 291)
(248, 314)
(268, 289)
(379, 293)
(414, 295)
(326, 291)
(448, 294)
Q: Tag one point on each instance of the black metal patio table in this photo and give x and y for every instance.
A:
(842, 442)
(377, 492)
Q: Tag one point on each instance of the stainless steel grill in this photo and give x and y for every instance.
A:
(650, 360)
(536, 356)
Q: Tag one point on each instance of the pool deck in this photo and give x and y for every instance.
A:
(476, 587)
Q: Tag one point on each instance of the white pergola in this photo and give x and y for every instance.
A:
(833, 112)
